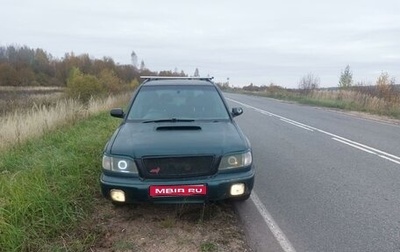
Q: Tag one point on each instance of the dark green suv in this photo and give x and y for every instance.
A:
(177, 143)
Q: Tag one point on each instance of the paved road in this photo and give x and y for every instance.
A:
(326, 181)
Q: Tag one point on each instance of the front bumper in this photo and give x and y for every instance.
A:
(218, 187)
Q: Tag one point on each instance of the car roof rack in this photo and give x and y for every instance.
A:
(147, 78)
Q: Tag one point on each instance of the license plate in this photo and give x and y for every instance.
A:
(178, 190)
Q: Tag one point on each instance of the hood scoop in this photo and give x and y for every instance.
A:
(177, 127)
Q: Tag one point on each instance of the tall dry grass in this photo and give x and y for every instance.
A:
(354, 100)
(31, 88)
(364, 99)
(22, 125)
(23, 98)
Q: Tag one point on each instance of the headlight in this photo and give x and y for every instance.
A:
(119, 164)
(235, 161)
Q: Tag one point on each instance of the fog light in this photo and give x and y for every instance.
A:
(117, 195)
(237, 189)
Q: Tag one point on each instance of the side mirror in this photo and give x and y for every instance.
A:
(237, 111)
(117, 112)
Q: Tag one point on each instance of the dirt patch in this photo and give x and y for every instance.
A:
(154, 227)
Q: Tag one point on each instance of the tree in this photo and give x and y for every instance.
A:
(166, 73)
(134, 84)
(26, 76)
(385, 86)
(3, 54)
(196, 73)
(83, 86)
(309, 82)
(346, 78)
(110, 81)
(41, 62)
(8, 75)
(21, 65)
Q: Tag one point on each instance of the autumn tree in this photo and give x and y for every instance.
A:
(110, 81)
(26, 77)
(8, 75)
(126, 73)
(385, 86)
(134, 84)
(21, 65)
(83, 86)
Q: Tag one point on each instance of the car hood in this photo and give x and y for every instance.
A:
(160, 139)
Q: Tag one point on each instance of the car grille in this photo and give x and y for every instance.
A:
(178, 167)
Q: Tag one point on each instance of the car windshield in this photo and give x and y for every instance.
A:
(178, 102)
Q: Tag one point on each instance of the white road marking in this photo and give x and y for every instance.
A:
(276, 231)
(287, 120)
(357, 145)
(265, 113)
(392, 160)
(296, 124)
(353, 145)
(360, 146)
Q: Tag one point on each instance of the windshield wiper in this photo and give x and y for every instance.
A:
(169, 120)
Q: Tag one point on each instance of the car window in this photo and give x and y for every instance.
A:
(189, 102)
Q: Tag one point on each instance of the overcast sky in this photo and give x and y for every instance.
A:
(249, 41)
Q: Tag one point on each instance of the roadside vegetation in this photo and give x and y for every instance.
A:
(48, 185)
(53, 127)
(383, 98)
(38, 92)
(50, 201)
(17, 127)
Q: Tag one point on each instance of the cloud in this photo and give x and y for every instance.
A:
(252, 41)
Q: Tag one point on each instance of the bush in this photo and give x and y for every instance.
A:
(385, 86)
(308, 83)
(134, 84)
(110, 81)
(83, 86)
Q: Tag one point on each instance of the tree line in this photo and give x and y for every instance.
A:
(24, 66)
(384, 87)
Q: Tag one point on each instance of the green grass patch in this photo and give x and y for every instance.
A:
(208, 247)
(325, 103)
(48, 186)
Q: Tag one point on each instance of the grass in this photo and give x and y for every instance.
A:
(167, 223)
(124, 246)
(47, 187)
(22, 98)
(50, 200)
(340, 99)
(208, 247)
(17, 127)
